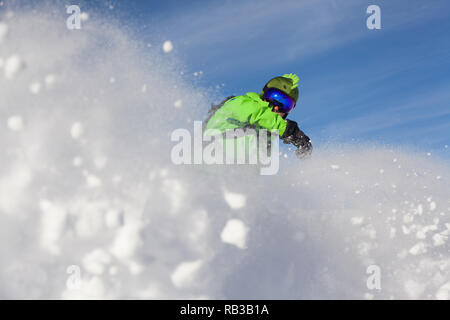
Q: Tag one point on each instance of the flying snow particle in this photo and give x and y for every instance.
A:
(357, 220)
(94, 262)
(100, 162)
(414, 289)
(77, 161)
(135, 268)
(116, 179)
(3, 31)
(15, 123)
(127, 239)
(419, 248)
(93, 181)
(84, 16)
(53, 222)
(334, 167)
(235, 200)
(49, 80)
(113, 270)
(419, 210)
(167, 46)
(90, 289)
(439, 239)
(432, 206)
(178, 103)
(185, 272)
(444, 292)
(112, 219)
(76, 130)
(235, 233)
(368, 296)
(35, 87)
(12, 66)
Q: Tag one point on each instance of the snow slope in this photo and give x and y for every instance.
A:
(86, 183)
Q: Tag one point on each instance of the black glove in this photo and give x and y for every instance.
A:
(298, 138)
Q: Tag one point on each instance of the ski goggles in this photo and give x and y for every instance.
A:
(282, 100)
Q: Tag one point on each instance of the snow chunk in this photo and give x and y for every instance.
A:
(127, 240)
(167, 46)
(439, 239)
(178, 103)
(335, 167)
(419, 210)
(15, 123)
(92, 288)
(185, 273)
(100, 161)
(95, 261)
(76, 130)
(35, 87)
(12, 66)
(3, 31)
(235, 233)
(413, 289)
(432, 206)
(93, 181)
(77, 161)
(53, 221)
(444, 292)
(49, 80)
(235, 200)
(368, 296)
(357, 220)
(419, 248)
(13, 186)
(112, 219)
(84, 16)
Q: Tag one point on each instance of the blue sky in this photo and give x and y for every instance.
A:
(391, 86)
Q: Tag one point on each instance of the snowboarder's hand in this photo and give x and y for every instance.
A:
(298, 138)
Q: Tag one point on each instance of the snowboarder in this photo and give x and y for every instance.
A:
(267, 110)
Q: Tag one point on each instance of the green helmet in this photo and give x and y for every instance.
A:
(288, 83)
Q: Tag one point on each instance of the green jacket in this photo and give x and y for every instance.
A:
(246, 111)
(243, 111)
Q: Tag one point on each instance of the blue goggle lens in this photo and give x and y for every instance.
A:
(283, 101)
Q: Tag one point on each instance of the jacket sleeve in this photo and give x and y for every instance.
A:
(246, 110)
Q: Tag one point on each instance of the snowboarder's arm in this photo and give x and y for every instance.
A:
(298, 138)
